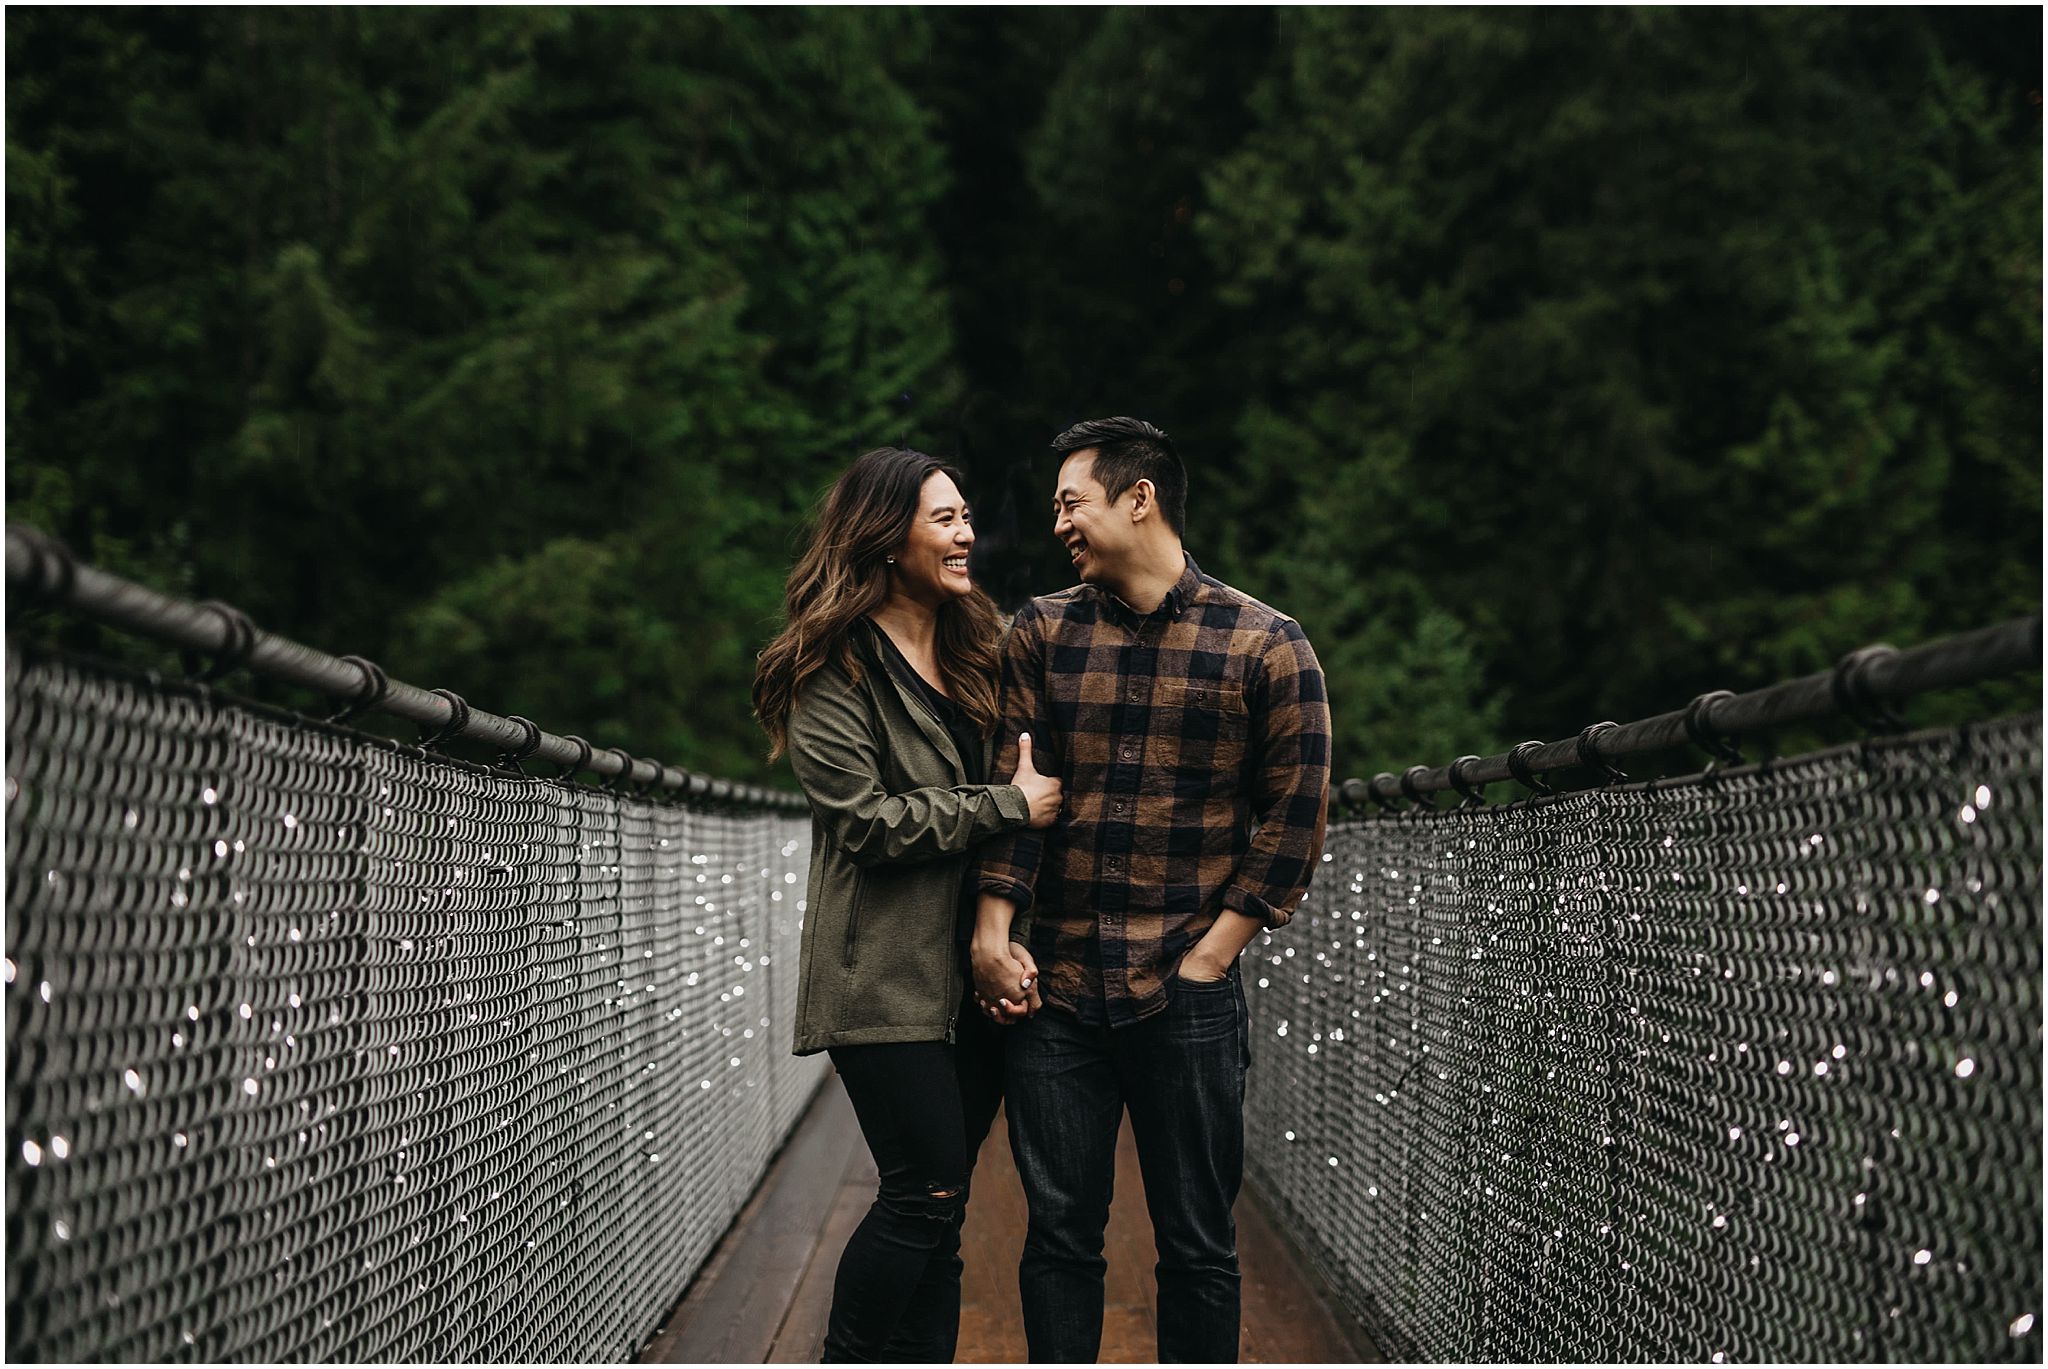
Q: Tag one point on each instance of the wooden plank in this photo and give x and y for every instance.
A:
(991, 1245)
(802, 1337)
(766, 1292)
(1289, 1315)
(1129, 1321)
(738, 1302)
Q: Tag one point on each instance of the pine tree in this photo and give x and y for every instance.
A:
(508, 347)
(1640, 350)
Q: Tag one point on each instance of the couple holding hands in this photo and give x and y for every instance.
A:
(1066, 935)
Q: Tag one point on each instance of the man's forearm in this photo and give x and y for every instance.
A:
(1225, 940)
(992, 917)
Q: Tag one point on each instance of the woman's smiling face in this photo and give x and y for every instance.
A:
(931, 565)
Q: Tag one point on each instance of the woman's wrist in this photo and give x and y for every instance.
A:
(1011, 802)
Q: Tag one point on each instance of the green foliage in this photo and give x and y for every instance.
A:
(1548, 365)
(1656, 350)
(506, 346)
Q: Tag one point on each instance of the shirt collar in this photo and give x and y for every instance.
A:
(1172, 606)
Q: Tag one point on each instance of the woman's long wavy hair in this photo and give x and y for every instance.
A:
(843, 575)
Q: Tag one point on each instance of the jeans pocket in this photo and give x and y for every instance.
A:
(1203, 985)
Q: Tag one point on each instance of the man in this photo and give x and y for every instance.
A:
(1190, 728)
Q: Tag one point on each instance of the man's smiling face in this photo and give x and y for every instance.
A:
(1096, 533)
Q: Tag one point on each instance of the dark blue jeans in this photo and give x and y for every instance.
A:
(1181, 1074)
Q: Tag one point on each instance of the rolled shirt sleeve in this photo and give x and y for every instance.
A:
(1290, 802)
(1010, 861)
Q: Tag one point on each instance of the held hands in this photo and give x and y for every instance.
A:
(1005, 981)
(1041, 792)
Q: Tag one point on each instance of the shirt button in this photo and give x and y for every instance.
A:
(1129, 753)
(1132, 694)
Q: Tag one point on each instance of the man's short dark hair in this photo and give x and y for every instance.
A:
(1128, 450)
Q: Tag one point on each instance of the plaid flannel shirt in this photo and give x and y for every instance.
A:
(1194, 747)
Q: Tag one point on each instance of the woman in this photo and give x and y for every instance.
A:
(882, 687)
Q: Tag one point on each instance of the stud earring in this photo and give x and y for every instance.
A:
(892, 560)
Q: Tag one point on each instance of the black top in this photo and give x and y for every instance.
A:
(967, 740)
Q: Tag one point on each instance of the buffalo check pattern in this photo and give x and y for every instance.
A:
(1194, 746)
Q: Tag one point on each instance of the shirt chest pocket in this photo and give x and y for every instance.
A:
(1211, 717)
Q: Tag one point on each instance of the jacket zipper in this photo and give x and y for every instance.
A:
(860, 884)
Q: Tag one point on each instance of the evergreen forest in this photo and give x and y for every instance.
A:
(1549, 366)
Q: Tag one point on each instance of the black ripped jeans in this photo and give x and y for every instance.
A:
(925, 1107)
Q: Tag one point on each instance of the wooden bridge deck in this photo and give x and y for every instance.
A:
(763, 1295)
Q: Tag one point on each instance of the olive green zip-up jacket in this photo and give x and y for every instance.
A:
(892, 828)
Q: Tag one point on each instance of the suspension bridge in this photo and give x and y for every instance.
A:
(324, 1046)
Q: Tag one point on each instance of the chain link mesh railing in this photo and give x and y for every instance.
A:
(322, 1049)
(1743, 1069)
